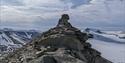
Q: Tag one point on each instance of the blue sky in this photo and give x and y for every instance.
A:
(45, 13)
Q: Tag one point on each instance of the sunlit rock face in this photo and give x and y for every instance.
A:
(61, 44)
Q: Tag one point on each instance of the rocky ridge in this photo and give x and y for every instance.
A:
(61, 44)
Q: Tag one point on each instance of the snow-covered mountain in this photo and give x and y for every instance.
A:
(110, 43)
(108, 36)
(12, 39)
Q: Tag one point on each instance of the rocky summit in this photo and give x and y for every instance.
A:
(61, 44)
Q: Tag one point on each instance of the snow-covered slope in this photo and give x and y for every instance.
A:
(108, 36)
(11, 39)
(109, 43)
(112, 51)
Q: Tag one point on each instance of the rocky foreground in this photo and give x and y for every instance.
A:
(61, 44)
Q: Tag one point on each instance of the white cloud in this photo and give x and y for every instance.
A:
(45, 3)
(32, 9)
(102, 11)
(97, 11)
(9, 14)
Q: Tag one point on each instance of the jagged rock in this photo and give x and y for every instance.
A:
(64, 21)
(61, 44)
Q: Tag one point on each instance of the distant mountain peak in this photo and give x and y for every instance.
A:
(12, 39)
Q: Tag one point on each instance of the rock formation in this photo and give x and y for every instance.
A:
(61, 44)
(64, 21)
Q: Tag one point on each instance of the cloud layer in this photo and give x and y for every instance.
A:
(45, 13)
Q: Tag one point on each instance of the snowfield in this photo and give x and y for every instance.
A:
(109, 44)
(111, 51)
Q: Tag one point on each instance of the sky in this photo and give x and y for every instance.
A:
(44, 14)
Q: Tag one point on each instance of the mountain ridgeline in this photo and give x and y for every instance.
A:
(61, 44)
(11, 39)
